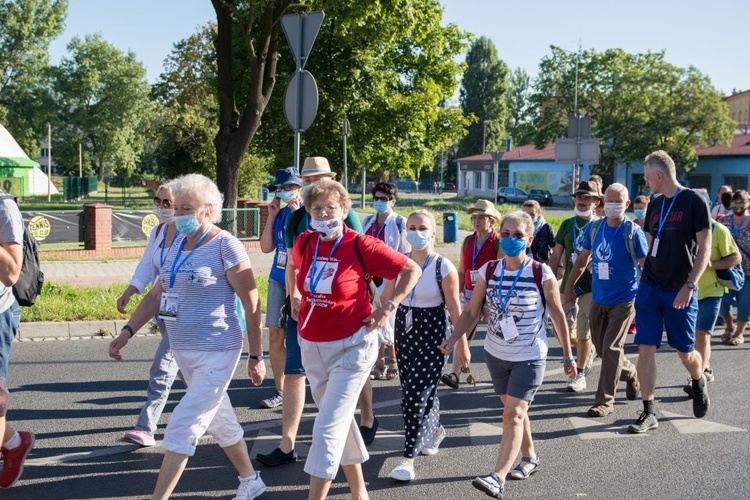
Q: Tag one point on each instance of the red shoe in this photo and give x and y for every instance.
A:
(13, 460)
(631, 330)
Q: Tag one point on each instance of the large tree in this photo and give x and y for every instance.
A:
(520, 117)
(483, 96)
(26, 29)
(102, 100)
(638, 103)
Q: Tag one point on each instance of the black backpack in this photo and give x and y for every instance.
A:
(30, 281)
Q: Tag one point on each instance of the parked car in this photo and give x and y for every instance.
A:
(543, 196)
(449, 186)
(406, 186)
(511, 195)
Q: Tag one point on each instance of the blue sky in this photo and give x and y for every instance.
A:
(709, 35)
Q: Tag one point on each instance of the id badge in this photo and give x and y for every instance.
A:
(169, 307)
(655, 247)
(508, 326)
(408, 321)
(573, 257)
(474, 274)
(281, 259)
(603, 268)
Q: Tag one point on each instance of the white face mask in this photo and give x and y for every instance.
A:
(328, 228)
(614, 210)
(581, 213)
(165, 215)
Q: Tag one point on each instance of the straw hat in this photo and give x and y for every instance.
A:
(484, 207)
(317, 165)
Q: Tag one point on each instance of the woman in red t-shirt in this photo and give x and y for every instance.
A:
(478, 248)
(338, 328)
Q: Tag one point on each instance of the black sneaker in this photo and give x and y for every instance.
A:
(646, 421)
(688, 388)
(368, 433)
(277, 457)
(700, 399)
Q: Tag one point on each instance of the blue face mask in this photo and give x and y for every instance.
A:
(640, 213)
(285, 196)
(305, 188)
(187, 224)
(418, 239)
(537, 225)
(512, 247)
(380, 207)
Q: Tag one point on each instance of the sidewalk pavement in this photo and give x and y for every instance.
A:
(107, 272)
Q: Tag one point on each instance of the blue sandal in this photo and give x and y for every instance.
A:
(525, 468)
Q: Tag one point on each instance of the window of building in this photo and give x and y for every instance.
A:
(477, 180)
(45, 153)
(502, 174)
(700, 181)
(736, 181)
(490, 180)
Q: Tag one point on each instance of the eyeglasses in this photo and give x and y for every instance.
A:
(482, 218)
(165, 203)
(381, 198)
(319, 210)
(470, 378)
(290, 187)
(517, 235)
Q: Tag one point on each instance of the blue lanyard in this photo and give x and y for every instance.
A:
(424, 266)
(314, 280)
(476, 250)
(662, 218)
(499, 284)
(372, 228)
(177, 265)
(731, 226)
(575, 231)
(605, 228)
(162, 257)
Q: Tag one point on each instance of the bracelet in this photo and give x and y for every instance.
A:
(393, 303)
(568, 360)
(129, 330)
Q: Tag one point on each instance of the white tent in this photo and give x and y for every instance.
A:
(24, 175)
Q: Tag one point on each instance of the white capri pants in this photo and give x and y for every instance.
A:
(205, 407)
(337, 372)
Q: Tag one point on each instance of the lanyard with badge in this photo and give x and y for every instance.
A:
(408, 320)
(380, 231)
(170, 301)
(281, 254)
(662, 220)
(163, 257)
(731, 226)
(315, 276)
(574, 250)
(603, 267)
(474, 272)
(507, 322)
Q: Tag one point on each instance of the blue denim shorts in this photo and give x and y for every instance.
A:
(518, 379)
(708, 311)
(274, 304)
(743, 303)
(9, 321)
(654, 311)
(293, 364)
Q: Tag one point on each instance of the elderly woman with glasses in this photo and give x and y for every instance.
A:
(337, 328)
(477, 249)
(164, 367)
(195, 296)
(390, 228)
(517, 291)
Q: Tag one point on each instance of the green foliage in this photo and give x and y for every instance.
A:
(253, 174)
(519, 121)
(483, 96)
(102, 101)
(26, 29)
(638, 102)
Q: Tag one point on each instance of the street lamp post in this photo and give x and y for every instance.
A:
(345, 133)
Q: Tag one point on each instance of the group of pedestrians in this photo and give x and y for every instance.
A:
(346, 304)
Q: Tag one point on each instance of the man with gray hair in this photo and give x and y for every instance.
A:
(617, 246)
(679, 237)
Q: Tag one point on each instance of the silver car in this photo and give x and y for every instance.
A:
(511, 195)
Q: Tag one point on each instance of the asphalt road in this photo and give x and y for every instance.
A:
(78, 402)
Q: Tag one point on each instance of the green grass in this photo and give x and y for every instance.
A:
(132, 198)
(63, 302)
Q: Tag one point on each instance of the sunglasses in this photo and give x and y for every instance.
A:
(165, 203)
(517, 235)
(470, 378)
(381, 198)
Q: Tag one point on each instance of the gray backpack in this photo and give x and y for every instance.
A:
(628, 234)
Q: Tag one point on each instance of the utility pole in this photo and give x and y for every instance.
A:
(49, 162)
(484, 137)
(345, 131)
(80, 161)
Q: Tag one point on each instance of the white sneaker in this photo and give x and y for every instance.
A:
(589, 363)
(431, 447)
(250, 487)
(578, 384)
(404, 471)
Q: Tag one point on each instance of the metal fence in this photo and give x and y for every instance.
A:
(244, 223)
(75, 188)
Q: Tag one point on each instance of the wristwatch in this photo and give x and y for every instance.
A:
(257, 358)
(691, 285)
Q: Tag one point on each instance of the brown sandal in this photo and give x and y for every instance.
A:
(392, 371)
(736, 340)
(378, 372)
(728, 335)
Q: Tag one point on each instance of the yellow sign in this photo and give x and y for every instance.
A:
(148, 223)
(39, 227)
(12, 185)
(530, 180)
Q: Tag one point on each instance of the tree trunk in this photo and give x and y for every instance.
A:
(101, 169)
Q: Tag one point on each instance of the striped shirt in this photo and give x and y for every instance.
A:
(206, 318)
(525, 306)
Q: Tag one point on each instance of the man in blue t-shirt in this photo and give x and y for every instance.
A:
(608, 243)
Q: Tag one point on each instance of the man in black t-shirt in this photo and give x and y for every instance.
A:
(679, 234)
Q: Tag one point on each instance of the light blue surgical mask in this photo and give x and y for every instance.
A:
(418, 239)
(305, 188)
(380, 207)
(285, 196)
(512, 247)
(187, 224)
(640, 213)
